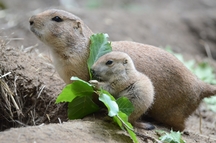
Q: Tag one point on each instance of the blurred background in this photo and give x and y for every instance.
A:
(187, 26)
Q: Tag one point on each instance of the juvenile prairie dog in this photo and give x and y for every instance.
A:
(178, 92)
(117, 74)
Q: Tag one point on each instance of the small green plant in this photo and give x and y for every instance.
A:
(204, 72)
(79, 94)
(211, 103)
(172, 137)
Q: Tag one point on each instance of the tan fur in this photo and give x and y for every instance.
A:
(122, 79)
(177, 91)
(70, 50)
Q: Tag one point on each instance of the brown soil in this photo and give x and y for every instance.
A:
(33, 85)
(187, 26)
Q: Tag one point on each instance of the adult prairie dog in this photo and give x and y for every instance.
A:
(117, 74)
(178, 92)
(65, 35)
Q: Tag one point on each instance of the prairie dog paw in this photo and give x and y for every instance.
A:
(94, 83)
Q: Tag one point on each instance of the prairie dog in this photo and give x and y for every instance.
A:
(178, 92)
(117, 74)
(54, 28)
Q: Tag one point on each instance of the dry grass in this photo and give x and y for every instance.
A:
(23, 101)
(11, 104)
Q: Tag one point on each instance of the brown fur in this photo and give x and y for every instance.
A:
(121, 78)
(178, 92)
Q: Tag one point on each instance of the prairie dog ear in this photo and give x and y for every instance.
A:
(125, 61)
(77, 25)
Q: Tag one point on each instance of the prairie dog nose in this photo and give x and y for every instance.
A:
(92, 72)
(31, 20)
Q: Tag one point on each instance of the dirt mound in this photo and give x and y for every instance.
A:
(28, 93)
(83, 131)
(75, 131)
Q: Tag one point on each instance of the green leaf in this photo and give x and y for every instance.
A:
(125, 105)
(73, 78)
(122, 120)
(119, 117)
(172, 137)
(79, 95)
(65, 95)
(109, 102)
(118, 121)
(81, 106)
(131, 133)
(77, 88)
(98, 47)
(106, 92)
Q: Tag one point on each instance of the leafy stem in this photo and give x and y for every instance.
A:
(124, 123)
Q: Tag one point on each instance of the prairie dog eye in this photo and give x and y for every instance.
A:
(57, 19)
(109, 62)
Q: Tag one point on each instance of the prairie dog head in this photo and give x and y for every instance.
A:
(59, 29)
(68, 39)
(112, 66)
